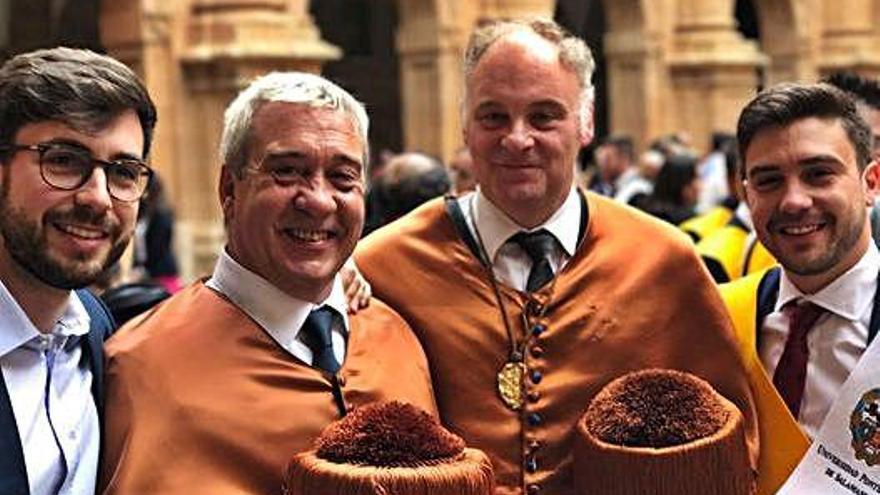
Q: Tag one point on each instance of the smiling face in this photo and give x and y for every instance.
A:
(65, 239)
(808, 199)
(297, 212)
(523, 128)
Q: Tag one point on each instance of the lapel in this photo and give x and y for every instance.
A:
(13, 477)
(100, 327)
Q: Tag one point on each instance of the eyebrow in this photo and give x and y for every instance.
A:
(76, 144)
(821, 159)
(296, 154)
(549, 102)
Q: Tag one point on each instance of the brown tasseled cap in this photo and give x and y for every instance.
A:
(655, 409)
(388, 434)
(661, 432)
(389, 448)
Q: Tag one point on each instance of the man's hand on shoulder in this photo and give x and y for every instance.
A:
(357, 289)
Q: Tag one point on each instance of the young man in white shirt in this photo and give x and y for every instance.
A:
(809, 180)
(75, 129)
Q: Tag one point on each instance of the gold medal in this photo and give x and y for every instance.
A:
(510, 384)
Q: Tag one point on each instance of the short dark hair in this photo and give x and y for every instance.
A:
(623, 144)
(678, 171)
(786, 103)
(77, 87)
(863, 89)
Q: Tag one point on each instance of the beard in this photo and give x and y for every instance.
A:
(845, 237)
(27, 244)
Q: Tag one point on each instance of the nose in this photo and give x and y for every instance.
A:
(520, 136)
(95, 192)
(315, 198)
(795, 198)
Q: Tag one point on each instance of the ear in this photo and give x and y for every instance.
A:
(871, 182)
(586, 131)
(226, 192)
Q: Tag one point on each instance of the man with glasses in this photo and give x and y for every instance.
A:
(75, 128)
(216, 389)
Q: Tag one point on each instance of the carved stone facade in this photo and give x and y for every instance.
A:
(669, 65)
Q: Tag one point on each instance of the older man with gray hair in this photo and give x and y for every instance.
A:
(529, 295)
(214, 390)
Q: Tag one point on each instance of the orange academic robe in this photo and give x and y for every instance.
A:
(200, 400)
(635, 295)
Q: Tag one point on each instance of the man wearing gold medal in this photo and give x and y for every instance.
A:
(529, 294)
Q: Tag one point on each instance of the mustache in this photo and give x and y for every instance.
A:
(527, 160)
(85, 215)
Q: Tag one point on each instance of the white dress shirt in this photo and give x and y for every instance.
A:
(49, 385)
(836, 342)
(281, 315)
(510, 263)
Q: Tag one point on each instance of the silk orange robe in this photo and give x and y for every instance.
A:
(201, 400)
(634, 295)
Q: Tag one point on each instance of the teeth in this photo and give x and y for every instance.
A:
(800, 229)
(309, 235)
(81, 232)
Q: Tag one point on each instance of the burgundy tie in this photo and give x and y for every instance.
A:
(791, 372)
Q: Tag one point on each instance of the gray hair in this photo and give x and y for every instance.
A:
(574, 54)
(290, 87)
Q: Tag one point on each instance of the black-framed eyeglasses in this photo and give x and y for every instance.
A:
(68, 167)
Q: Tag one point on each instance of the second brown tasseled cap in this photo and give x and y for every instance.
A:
(389, 448)
(661, 432)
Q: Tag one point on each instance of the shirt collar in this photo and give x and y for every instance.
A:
(849, 295)
(277, 312)
(495, 227)
(16, 329)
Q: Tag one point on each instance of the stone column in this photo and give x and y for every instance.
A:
(636, 74)
(848, 40)
(713, 69)
(431, 41)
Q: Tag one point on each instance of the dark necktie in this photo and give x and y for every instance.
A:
(538, 245)
(317, 335)
(791, 372)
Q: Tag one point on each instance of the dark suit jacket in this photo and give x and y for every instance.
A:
(13, 477)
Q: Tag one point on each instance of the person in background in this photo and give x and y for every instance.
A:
(675, 192)
(409, 180)
(616, 171)
(714, 173)
(866, 92)
(75, 131)
(704, 224)
(154, 240)
(461, 172)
